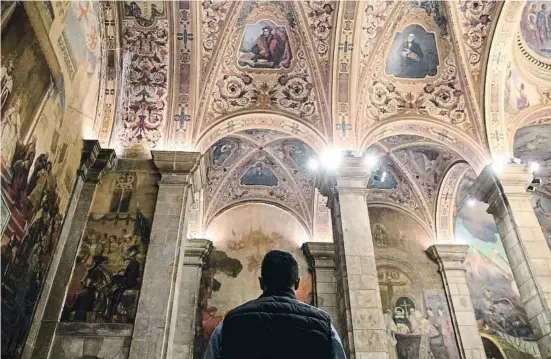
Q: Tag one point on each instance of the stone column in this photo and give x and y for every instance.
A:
(359, 299)
(321, 259)
(155, 325)
(94, 161)
(524, 242)
(450, 259)
(196, 252)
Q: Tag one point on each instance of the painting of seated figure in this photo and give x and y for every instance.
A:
(259, 175)
(265, 45)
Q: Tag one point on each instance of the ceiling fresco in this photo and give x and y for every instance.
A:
(260, 165)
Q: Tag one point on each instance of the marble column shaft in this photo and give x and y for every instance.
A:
(524, 243)
(321, 258)
(154, 326)
(356, 269)
(94, 161)
(450, 258)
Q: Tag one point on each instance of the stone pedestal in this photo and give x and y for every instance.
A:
(321, 259)
(359, 300)
(524, 243)
(450, 259)
(196, 252)
(94, 161)
(155, 323)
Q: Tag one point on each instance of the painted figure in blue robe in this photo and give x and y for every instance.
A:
(259, 175)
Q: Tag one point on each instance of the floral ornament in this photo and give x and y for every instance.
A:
(320, 20)
(294, 93)
(233, 92)
(212, 17)
(144, 102)
(475, 17)
(376, 13)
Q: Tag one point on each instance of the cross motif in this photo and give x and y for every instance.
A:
(343, 127)
(405, 305)
(345, 47)
(185, 36)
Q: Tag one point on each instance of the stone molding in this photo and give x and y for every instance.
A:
(95, 161)
(319, 254)
(449, 256)
(351, 176)
(196, 251)
(179, 167)
(513, 180)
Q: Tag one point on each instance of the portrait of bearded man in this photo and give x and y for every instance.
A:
(265, 46)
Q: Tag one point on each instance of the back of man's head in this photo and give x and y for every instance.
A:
(279, 271)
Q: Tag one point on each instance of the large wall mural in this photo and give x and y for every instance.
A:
(418, 323)
(39, 158)
(241, 237)
(106, 279)
(498, 309)
(535, 26)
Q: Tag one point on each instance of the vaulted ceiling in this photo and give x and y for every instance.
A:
(261, 79)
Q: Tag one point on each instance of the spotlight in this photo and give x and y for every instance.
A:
(313, 164)
(371, 161)
(534, 166)
(471, 202)
(331, 159)
(499, 164)
(383, 177)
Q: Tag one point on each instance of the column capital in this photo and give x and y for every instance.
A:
(178, 167)
(448, 256)
(196, 251)
(512, 181)
(352, 176)
(94, 161)
(319, 254)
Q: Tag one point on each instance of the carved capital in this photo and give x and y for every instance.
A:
(512, 181)
(319, 254)
(351, 176)
(448, 256)
(94, 161)
(176, 167)
(196, 251)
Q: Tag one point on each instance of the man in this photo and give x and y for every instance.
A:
(276, 325)
(264, 45)
(542, 25)
(412, 55)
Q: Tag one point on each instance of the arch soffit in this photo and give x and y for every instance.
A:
(445, 201)
(302, 221)
(419, 220)
(447, 136)
(495, 117)
(264, 121)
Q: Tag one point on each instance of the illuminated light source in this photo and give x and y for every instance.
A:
(499, 164)
(331, 159)
(313, 164)
(471, 202)
(383, 177)
(534, 166)
(371, 160)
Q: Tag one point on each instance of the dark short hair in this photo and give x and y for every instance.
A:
(279, 270)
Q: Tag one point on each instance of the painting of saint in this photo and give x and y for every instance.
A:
(413, 54)
(259, 175)
(535, 26)
(221, 151)
(265, 45)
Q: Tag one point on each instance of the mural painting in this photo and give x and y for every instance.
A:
(259, 175)
(535, 26)
(416, 313)
(106, 279)
(496, 300)
(265, 45)
(382, 178)
(413, 54)
(241, 237)
(24, 82)
(145, 12)
(221, 151)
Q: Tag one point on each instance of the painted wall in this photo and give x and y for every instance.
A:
(498, 309)
(107, 276)
(416, 313)
(241, 237)
(44, 106)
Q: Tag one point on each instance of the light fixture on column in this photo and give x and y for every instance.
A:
(534, 166)
(313, 164)
(371, 160)
(471, 201)
(532, 187)
(331, 158)
(499, 164)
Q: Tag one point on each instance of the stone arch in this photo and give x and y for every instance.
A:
(445, 201)
(447, 136)
(287, 209)
(419, 220)
(494, 88)
(261, 120)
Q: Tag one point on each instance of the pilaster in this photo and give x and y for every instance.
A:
(156, 317)
(321, 259)
(94, 162)
(524, 243)
(450, 258)
(359, 302)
